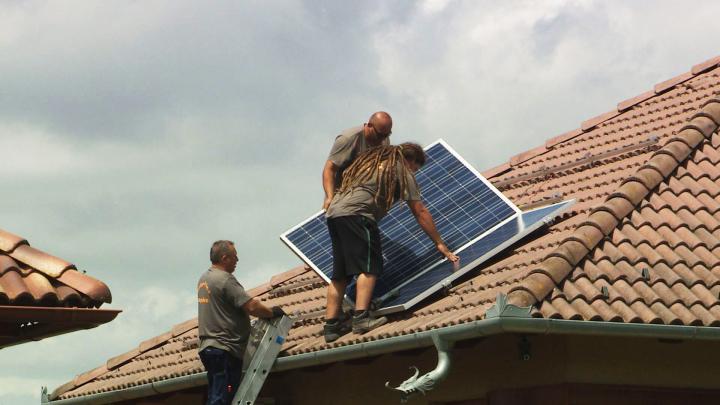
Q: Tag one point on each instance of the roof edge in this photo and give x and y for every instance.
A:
(465, 331)
(51, 321)
(604, 218)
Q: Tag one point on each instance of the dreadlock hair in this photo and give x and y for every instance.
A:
(381, 163)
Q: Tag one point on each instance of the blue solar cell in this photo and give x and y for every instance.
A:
(464, 205)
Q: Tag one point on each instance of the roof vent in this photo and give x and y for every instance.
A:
(645, 273)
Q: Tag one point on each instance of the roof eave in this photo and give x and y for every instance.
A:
(24, 324)
(465, 331)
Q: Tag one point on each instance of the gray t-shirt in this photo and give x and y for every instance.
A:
(222, 322)
(348, 145)
(360, 200)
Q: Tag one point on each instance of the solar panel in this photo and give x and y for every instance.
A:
(466, 208)
(443, 274)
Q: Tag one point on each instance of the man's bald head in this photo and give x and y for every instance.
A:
(381, 120)
(381, 125)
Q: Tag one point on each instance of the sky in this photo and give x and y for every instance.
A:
(135, 133)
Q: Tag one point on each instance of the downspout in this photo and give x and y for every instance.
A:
(427, 382)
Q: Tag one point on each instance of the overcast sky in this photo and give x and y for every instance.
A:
(134, 133)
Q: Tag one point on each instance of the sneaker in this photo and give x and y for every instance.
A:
(365, 323)
(333, 331)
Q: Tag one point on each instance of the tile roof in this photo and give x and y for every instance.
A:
(31, 277)
(42, 295)
(642, 244)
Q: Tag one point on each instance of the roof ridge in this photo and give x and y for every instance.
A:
(276, 280)
(590, 124)
(604, 218)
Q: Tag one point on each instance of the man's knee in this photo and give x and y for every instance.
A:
(366, 277)
(340, 284)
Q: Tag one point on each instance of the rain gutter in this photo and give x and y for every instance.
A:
(470, 330)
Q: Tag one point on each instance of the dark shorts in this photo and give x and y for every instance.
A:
(356, 246)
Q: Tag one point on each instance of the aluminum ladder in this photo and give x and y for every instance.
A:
(266, 339)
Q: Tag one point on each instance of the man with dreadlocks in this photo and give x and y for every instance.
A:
(371, 184)
(349, 145)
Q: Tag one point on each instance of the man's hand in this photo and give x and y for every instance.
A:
(277, 312)
(326, 202)
(442, 248)
(256, 308)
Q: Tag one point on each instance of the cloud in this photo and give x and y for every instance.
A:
(479, 72)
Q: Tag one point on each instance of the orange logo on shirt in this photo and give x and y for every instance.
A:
(201, 289)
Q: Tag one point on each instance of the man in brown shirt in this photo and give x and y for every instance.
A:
(374, 181)
(348, 145)
(224, 322)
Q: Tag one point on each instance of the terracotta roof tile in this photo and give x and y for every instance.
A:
(41, 289)
(687, 317)
(631, 102)
(32, 278)
(668, 84)
(46, 263)
(37, 277)
(592, 122)
(15, 288)
(704, 66)
(703, 316)
(642, 244)
(495, 171)
(93, 288)
(707, 298)
(10, 241)
(627, 314)
(522, 157)
(694, 220)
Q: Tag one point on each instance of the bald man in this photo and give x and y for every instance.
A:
(348, 145)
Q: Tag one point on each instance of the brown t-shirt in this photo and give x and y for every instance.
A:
(360, 200)
(222, 322)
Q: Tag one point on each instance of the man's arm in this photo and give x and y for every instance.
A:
(328, 180)
(425, 220)
(256, 308)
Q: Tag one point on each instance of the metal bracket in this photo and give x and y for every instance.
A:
(524, 349)
(446, 286)
(501, 309)
(427, 381)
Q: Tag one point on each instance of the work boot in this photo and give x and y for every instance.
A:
(362, 322)
(335, 328)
